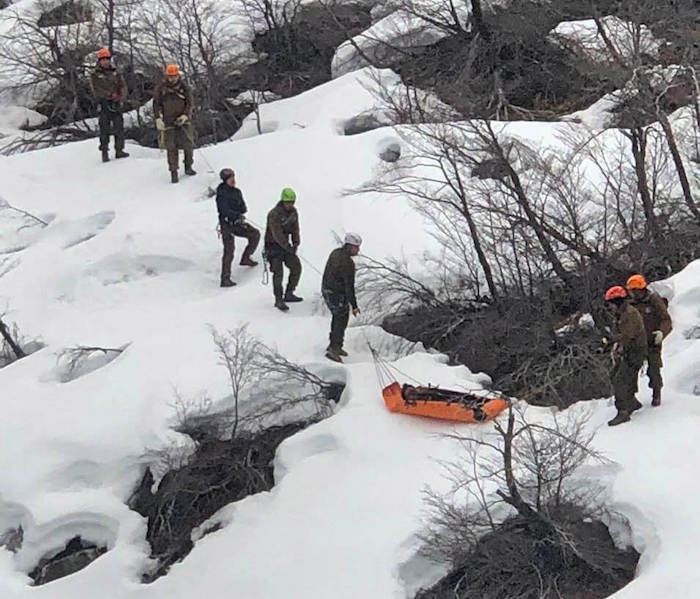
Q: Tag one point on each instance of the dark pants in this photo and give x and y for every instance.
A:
(340, 315)
(228, 237)
(624, 378)
(179, 138)
(111, 122)
(654, 365)
(278, 258)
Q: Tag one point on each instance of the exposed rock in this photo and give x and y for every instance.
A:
(77, 555)
(12, 539)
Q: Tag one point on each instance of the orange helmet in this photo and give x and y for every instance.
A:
(636, 282)
(172, 70)
(103, 53)
(617, 292)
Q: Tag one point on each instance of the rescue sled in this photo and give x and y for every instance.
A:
(433, 402)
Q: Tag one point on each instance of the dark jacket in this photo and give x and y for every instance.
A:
(339, 275)
(281, 224)
(631, 336)
(654, 313)
(108, 84)
(230, 204)
(171, 100)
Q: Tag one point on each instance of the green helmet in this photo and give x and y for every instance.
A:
(288, 195)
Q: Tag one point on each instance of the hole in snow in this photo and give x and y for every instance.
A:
(76, 555)
(390, 150)
(363, 122)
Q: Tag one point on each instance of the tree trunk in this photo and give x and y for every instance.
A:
(110, 24)
(479, 22)
(638, 137)
(678, 161)
(476, 241)
(14, 346)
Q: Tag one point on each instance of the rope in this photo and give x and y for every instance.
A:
(304, 260)
(385, 371)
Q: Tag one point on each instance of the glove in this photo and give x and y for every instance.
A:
(355, 312)
(658, 337)
(160, 125)
(183, 119)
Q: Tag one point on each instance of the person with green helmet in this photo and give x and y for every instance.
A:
(281, 242)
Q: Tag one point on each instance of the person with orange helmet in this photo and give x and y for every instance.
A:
(172, 109)
(109, 89)
(658, 325)
(629, 353)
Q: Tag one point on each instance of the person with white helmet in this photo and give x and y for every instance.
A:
(338, 289)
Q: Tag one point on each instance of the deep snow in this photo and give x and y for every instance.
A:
(129, 259)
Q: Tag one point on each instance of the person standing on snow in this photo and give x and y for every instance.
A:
(657, 323)
(629, 352)
(338, 290)
(108, 87)
(172, 109)
(281, 242)
(232, 223)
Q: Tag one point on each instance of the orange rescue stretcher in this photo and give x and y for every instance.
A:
(443, 404)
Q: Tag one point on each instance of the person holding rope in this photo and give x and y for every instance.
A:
(109, 90)
(338, 290)
(172, 109)
(232, 224)
(282, 240)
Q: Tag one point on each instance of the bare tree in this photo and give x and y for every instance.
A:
(48, 60)
(239, 353)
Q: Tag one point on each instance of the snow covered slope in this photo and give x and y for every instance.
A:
(129, 260)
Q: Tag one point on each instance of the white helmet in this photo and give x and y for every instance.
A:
(353, 239)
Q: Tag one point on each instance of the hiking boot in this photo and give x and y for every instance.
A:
(340, 352)
(105, 155)
(656, 398)
(333, 355)
(121, 154)
(173, 177)
(280, 305)
(636, 406)
(228, 283)
(621, 418)
(291, 298)
(248, 262)
(190, 171)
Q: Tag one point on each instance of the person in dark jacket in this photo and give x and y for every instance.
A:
(338, 290)
(172, 109)
(629, 353)
(658, 325)
(281, 242)
(232, 224)
(108, 87)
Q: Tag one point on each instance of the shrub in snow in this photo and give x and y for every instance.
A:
(518, 521)
(584, 39)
